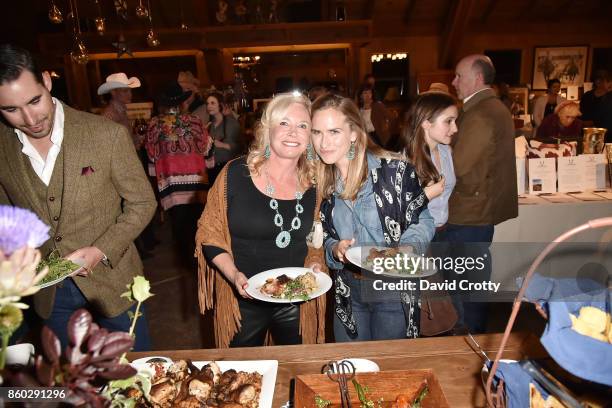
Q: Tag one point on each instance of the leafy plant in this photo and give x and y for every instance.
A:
(320, 402)
(364, 400)
(89, 362)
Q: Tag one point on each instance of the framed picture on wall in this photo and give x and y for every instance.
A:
(568, 64)
(520, 100)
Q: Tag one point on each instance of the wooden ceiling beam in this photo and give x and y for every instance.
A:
(456, 25)
(489, 10)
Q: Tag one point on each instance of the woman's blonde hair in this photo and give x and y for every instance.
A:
(275, 110)
(358, 166)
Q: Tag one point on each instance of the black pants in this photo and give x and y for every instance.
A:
(471, 241)
(184, 220)
(282, 320)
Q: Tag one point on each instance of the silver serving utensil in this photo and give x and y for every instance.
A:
(340, 372)
(471, 341)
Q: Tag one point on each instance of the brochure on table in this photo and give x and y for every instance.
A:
(542, 176)
(593, 171)
(566, 174)
(569, 174)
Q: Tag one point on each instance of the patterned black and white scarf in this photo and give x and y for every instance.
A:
(399, 202)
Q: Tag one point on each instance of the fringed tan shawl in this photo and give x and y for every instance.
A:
(213, 230)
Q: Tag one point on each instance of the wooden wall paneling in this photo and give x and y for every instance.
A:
(457, 25)
(200, 14)
(78, 84)
(529, 10)
(409, 10)
(202, 73)
(227, 65)
(352, 63)
(489, 10)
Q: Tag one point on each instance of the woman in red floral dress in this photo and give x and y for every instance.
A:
(177, 144)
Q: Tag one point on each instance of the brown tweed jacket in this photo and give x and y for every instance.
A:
(485, 164)
(106, 201)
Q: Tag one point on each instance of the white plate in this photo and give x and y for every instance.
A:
(357, 256)
(78, 261)
(324, 283)
(363, 365)
(267, 368)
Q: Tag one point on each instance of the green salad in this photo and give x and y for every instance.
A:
(58, 267)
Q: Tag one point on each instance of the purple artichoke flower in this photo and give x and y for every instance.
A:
(20, 227)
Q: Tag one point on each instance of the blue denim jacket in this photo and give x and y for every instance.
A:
(360, 220)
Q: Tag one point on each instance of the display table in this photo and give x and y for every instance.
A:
(542, 220)
(453, 361)
(517, 242)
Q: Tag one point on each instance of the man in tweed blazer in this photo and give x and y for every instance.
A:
(80, 174)
(485, 167)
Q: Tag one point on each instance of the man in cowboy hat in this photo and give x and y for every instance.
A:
(95, 200)
(120, 89)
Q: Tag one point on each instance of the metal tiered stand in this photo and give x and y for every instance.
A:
(496, 398)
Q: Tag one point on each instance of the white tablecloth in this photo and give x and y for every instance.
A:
(517, 242)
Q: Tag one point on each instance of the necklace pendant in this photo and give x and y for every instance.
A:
(283, 239)
(296, 223)
(278, 220)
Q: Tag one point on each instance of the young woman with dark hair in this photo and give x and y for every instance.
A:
(225, 131)
(427, 136)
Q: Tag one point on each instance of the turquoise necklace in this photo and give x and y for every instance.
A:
(283, 239)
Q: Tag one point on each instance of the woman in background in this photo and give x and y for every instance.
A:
(545, 105)
(427, 137)
(563, 124)
(374, 115)
(225, 131)
(371, 197)
(259, 213)
(176, 144)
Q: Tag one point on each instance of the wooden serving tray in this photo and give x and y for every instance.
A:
(385, 384)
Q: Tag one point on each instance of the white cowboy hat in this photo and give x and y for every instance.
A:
(116, 81)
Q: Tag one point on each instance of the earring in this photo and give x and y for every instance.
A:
(309, 152)
(267, 152)
(351, 152)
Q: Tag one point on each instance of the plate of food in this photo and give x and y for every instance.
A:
(59, 269)
(248, 384)
(399, 262)
(288, 285)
